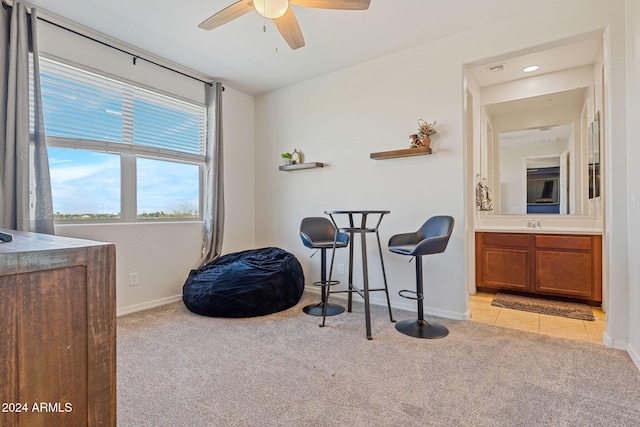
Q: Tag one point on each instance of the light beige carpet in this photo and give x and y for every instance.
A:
(544, 306)
(176, 368)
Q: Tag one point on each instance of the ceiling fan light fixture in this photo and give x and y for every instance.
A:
(271, 8)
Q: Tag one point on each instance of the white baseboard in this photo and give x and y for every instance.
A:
(147, 305)
(407, 305)
(635, 356)
(613, 343)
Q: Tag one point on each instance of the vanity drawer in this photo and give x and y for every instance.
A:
(506, 240)
(576, 243)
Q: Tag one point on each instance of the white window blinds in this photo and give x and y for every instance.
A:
(94, 110)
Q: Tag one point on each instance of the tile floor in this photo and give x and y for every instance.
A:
(482, 311)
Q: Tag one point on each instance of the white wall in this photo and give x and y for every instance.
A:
(342, 117)
(163, 253)
(633, 130)
(616, 255)
(239, 172)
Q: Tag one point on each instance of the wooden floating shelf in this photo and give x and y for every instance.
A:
(298, 166)
(407, 152)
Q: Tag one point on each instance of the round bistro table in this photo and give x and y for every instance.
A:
(363, 229)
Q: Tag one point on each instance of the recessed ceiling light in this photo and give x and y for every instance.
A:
(530, 68)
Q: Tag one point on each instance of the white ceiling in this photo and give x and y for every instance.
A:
(550, 59)
(243, 56)
(527, 137)
(570, 99)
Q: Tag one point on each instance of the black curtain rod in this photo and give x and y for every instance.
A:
(135, 57)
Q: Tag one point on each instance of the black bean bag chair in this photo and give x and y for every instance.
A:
(245, 284)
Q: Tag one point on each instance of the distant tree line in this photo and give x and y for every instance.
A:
(59, 215)
(183, 210)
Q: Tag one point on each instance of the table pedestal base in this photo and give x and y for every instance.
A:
(422, 329)
(316, 309)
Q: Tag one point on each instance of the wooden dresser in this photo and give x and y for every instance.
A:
(561, 265)
(57, 332)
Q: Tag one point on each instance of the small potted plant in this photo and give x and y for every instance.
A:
(425, 130)
(286, 158)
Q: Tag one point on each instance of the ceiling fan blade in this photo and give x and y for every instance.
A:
(290, 29)
(333, 4)
(227, 14)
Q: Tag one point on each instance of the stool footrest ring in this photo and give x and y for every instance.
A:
(326, 283)
(414, 296)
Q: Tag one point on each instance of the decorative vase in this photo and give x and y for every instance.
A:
(296, 156)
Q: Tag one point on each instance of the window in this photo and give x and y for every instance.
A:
(118, 152)
(167, 189)
(85, 184)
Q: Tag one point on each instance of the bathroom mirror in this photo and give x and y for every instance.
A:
(544, 154)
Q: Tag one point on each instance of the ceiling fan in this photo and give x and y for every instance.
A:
(281, 13)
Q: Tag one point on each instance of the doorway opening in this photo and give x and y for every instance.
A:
(552, 186)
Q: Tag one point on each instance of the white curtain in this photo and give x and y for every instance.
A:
(25, 186)
(213, 209)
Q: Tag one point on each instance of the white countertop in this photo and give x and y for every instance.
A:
(565, 224)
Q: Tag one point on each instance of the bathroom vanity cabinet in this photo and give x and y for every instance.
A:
(561, 265)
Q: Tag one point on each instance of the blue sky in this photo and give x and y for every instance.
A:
(89, 182)
(84, 181)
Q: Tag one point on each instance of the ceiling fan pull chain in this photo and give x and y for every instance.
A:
(264, 7)
(276, 42)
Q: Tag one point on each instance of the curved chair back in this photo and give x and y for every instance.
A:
(319, 232)
(434, 235)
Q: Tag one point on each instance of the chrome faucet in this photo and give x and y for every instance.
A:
(534, 223)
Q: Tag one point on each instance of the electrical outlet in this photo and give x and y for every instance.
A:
(133, 279)
(341, 269)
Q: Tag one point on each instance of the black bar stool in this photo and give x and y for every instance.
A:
(320, 233)
(431, 238)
